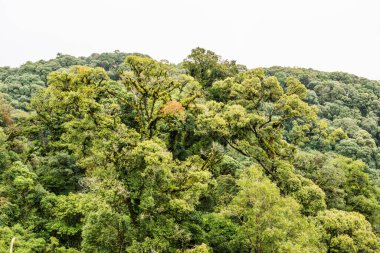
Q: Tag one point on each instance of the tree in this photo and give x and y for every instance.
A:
(268, 221)
(66, 214)
(345, 181)
(5, 158)
(5, 113)
(73, 103)
(138, 156)
(347, 232)
(251, 115)
(152, 192)
(207, 67)
(25, 241)
(105, 231)
(155, 90)
(20, 194)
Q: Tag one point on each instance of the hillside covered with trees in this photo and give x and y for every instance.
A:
(119, 152)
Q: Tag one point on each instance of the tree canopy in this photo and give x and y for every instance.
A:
(120, 152)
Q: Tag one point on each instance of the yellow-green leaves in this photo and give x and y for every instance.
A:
(295, 87)
(151, 85)
(236, 116)
(253, 113)
(74, 105)
(270, 222)
(203, 248)
(211, 120)
(206, 66)
(25, 240)
(347, 232)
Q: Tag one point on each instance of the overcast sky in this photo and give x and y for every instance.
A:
(331, 35)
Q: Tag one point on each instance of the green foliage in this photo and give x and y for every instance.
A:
(207, 67)
(345, 101)
(155, 91)
(268, 221)
(4, 154)
(345, 181)
(20, 195)
(5, 113)
(70, 104)
(59, 173)
(122, 153)
(25, 241)
(347, 232)
(220, 233)
(20, 84)
(105, 231)
(203, 248)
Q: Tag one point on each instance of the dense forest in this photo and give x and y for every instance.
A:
(118, 152)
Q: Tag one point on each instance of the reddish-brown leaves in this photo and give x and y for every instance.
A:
(172, 107)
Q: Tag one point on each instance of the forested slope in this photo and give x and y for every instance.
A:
(119, 152)
(344, 101)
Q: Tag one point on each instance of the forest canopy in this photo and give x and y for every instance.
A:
(119, 152)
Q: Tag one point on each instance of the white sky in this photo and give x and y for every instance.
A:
(331, 35)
